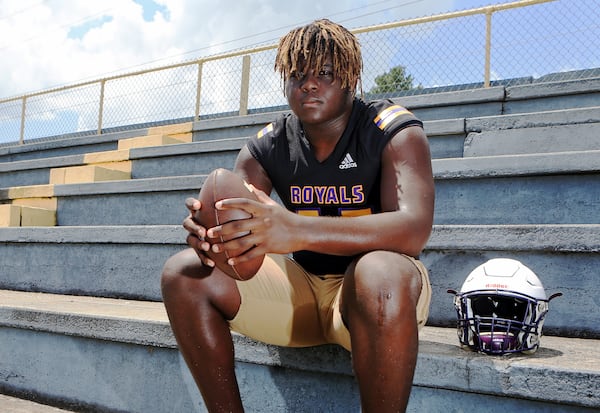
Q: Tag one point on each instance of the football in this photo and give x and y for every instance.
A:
(221, 184)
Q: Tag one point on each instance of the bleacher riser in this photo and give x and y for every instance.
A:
(481, 191)
(125, 262)
(290, 380)
(472, 103)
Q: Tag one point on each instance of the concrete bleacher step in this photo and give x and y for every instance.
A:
(471, 103)
(112, 165)
(153, 140)
(126, 261)
(518, 189)
(25, 210)
(95, 167)
(533, 140)
(88, 142)
(536, 188)
(574, 116)
(446, 136)
(28, 206)
(539, 132)
(88, 173)
(535, 97)
(26, 216)
(120, 355)
(205, 154)
(499, 100)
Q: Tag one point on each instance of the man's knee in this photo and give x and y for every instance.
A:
(388, 270)
(177, 267)
(383, 284)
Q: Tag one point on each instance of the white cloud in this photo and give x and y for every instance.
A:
(55, 42)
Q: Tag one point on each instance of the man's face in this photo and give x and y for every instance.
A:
(315, 96)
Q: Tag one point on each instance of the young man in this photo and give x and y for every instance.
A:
(357, 185)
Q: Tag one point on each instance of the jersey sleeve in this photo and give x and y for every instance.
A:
(270, 148)
(259, 144)
(392, 118)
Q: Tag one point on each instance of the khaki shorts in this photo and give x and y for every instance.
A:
(286, 306)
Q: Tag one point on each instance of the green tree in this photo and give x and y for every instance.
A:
(393, 81)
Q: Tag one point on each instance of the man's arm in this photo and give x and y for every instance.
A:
(407, 186)
(251, 171)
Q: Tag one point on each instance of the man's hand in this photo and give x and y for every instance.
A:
(196, 232)
(270, 230)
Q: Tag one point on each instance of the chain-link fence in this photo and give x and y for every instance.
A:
(507, 44)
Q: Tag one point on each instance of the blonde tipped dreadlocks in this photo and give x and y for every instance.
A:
(310, 45)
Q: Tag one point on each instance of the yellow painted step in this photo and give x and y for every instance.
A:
(31, 191)
(154, 140)
(171, 130)
(88, 173)
(10, 215)
(37, 217)
(106, 156)
(45, 203)
(36, 196)
(25, 216)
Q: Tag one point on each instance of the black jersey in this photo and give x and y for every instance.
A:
(347, 183)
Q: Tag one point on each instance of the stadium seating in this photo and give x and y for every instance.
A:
(91, 220)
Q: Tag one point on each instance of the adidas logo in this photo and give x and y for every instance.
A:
(348, 162)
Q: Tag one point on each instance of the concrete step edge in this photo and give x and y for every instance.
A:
(435, 127)
(581, 238)
(532, 120)
(554, 163)
(513, 165)
(564, 370)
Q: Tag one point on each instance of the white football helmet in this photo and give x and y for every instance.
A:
(501, 308)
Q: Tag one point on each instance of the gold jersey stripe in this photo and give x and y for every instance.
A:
(389, 114)
(309, 212)
(265, 130)
(356, 212)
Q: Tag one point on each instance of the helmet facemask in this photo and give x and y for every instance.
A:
(500, 322)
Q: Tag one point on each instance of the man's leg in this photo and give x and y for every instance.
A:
(379, 298)
(199, 301)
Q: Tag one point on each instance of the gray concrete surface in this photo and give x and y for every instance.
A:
(536, 188)
(120, 354)
(126, 261)
(560, 138)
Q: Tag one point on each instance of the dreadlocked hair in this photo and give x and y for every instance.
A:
(309, 46)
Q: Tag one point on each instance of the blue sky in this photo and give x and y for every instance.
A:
(49, 43)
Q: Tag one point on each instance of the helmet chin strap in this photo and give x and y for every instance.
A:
(554, 296)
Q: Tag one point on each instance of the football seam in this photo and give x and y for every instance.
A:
(214, 188)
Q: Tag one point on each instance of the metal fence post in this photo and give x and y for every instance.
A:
(101, 106)
(198, 90)
(488, 46)
(245, 87)
(22, 133)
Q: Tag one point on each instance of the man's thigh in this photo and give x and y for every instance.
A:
(278, 306)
